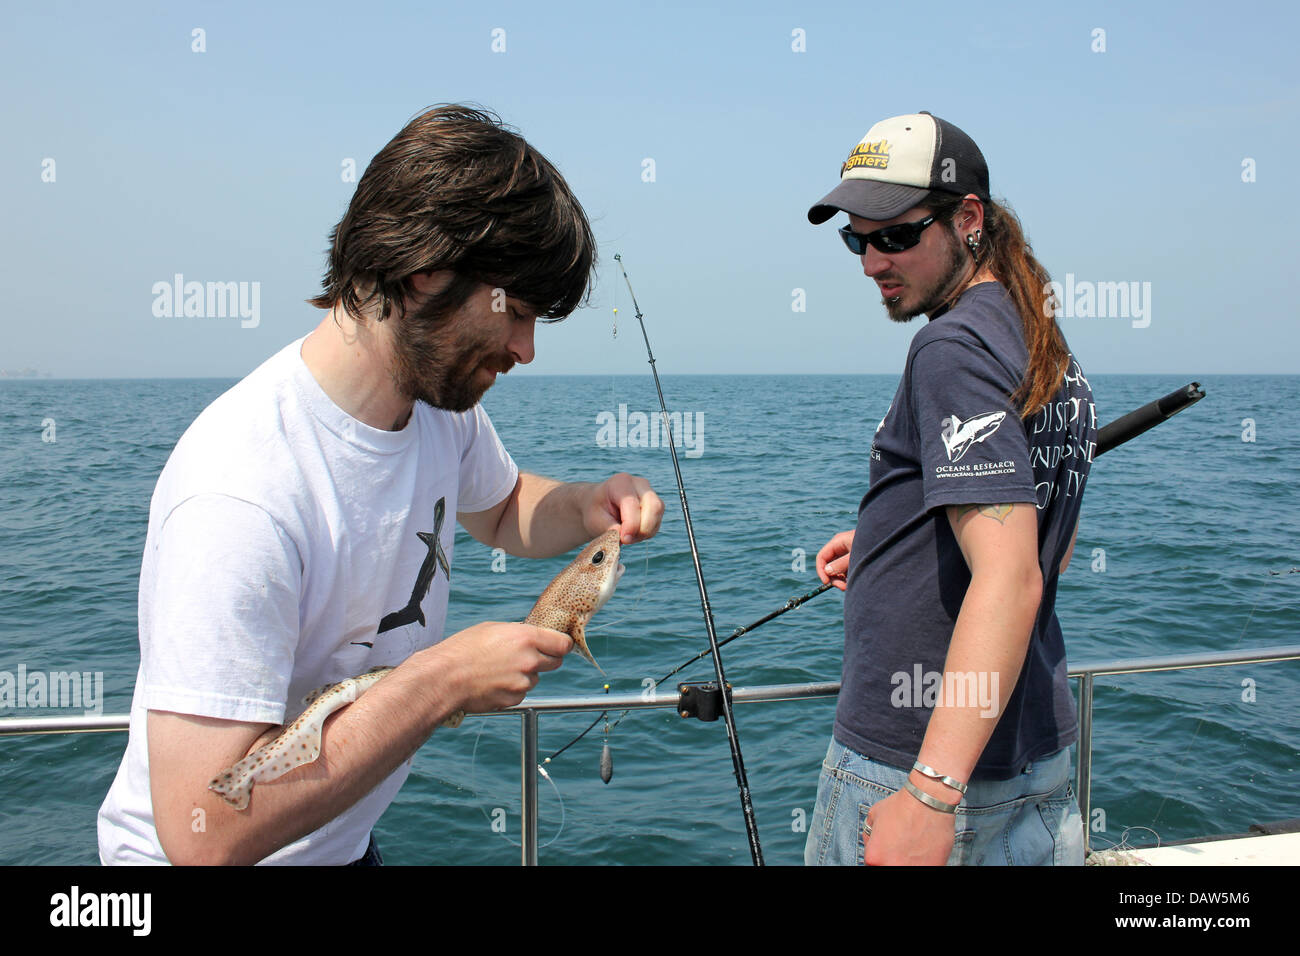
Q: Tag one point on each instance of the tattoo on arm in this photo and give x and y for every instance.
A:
(997, 512)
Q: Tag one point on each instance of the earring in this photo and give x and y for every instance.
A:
(973, 242)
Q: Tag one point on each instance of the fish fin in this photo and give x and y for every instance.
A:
(578, 633)
(455, 719)
(311, 698)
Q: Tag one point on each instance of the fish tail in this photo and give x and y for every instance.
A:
(299, 744)
(234, 786)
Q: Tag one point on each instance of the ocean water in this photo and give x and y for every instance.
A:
(1188, 544)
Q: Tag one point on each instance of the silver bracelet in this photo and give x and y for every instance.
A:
(928, 800)
(933, 774)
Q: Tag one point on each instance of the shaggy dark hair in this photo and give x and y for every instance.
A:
(457, 189)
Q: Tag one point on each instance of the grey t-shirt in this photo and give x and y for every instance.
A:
(952, 437)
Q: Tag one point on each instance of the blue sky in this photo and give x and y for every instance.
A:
(224, 165)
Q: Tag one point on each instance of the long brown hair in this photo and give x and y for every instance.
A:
(457, 189)
(1004, 249)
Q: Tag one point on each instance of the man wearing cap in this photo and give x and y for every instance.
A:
(952, 731)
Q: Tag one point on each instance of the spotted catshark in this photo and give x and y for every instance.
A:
(567, 605)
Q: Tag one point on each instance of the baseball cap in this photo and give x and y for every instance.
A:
(898, 162)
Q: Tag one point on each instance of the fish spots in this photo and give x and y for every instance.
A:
(567, 604)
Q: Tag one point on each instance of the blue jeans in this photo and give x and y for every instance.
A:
(371, 857)
(1032, 819)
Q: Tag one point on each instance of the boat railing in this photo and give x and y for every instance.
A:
(530, 710)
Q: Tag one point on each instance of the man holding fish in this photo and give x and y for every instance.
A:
(955, 716)
(302, 530)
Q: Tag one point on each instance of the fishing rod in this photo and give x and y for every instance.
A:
(1147, 417)
(737, 761)
(1109, 436)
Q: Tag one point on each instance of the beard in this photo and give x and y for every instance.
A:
(955, 263)
(440, 360)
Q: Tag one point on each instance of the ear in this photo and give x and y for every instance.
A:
(971, 214)
(428, 283)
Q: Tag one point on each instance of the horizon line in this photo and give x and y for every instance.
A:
(601, 375)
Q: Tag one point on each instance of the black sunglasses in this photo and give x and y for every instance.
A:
(896, 238)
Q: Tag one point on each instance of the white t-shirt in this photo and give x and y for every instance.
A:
(282, 532)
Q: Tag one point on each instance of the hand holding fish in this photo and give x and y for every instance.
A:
(499, 663)
(494, 665)
(627, 501)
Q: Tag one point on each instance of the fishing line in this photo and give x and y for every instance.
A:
(645, 574)
(789, 605)
(472, 763)
(613, 402)
(1117, 849)
(540, 768)
(613, 394)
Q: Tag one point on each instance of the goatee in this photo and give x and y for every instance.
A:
(955, 265)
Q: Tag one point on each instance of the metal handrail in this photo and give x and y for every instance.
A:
(87, 724)
(529, 709)
(1086, 673)
(640, 700)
